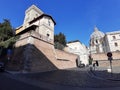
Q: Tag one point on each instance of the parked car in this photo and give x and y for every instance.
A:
(81, 65)
(2, 66)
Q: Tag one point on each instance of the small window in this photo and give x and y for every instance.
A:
(114, 37)
(49, 22)
(48, 35)
(97, 41)
(116, 44)
(36, 15)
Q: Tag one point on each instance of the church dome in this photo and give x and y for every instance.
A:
(97, 34)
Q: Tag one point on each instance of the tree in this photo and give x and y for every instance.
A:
(7, 38)
(90, 59)
(60, 41)
(6, 30)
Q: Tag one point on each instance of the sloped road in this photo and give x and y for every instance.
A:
(72, 79)
(7, 83)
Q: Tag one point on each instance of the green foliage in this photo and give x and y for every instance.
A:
(60, 38)
(8, 43)
(6, 34)
(6, 30)
(90, 60)
(58, 46)
(60, 41)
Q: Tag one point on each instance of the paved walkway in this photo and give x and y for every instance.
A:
(104, 73)
(72, 79)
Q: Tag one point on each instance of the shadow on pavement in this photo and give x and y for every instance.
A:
(106, 75)
(74, 78)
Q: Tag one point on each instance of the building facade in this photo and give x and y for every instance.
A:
(42, 23)
(112, 41)
(80, 49)
(34, 50)
(103, 43)
(96, 41)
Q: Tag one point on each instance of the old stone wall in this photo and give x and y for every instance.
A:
(36, 55)
(65, 59)
(22, 40)
(103, 59)
(61, 59)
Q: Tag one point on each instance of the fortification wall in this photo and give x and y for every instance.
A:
(33, 54)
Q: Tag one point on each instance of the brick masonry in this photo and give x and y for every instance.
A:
(65, 59)
(103, 59)
(35, 54)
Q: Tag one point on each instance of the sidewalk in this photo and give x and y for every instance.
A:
(104, 73)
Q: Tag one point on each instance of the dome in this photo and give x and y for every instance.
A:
(97, 34)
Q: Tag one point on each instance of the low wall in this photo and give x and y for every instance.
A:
(65, 59)
(103, 59)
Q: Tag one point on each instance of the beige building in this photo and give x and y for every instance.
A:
(103, 43)
(96, 41)
(42, 23)
(112, 41)
(80, 49)
(34, 50)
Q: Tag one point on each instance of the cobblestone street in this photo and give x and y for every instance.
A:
(73, 77)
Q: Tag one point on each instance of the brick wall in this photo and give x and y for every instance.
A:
(40, 56)
(60, 59)
(103, 59)
(65, 59)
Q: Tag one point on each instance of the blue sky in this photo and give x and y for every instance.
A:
(75, 18)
